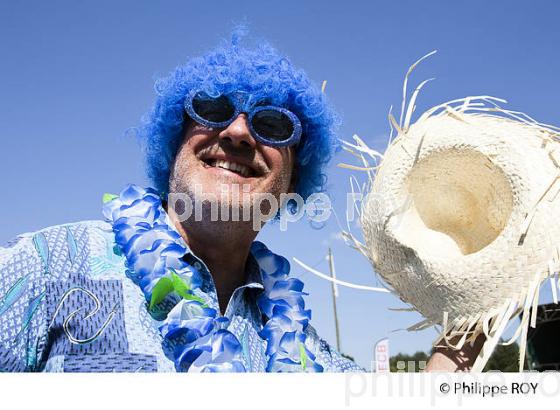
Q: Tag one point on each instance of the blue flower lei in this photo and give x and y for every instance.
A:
(154, 251)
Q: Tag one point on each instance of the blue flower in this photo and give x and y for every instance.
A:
(282, 302)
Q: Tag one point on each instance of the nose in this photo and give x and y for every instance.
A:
(238, 133)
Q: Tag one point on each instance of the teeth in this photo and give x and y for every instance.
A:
(232, 166)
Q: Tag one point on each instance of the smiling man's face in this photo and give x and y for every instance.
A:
(212, 161)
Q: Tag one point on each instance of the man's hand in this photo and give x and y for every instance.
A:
(446, 359)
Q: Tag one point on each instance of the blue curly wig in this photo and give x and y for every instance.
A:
(265, 75)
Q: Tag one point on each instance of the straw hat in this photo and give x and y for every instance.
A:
(461, 217)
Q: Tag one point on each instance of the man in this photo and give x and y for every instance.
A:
(157, 288)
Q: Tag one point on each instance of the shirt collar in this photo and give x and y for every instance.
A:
(253, 275)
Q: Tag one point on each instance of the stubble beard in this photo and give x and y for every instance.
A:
(235, 210)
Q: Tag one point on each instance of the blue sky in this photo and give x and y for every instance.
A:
(75, 75)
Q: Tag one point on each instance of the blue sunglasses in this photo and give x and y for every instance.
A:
(269, 125)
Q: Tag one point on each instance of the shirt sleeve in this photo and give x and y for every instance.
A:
(23, 331)
(328, 357)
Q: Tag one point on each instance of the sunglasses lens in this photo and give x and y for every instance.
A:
(273, 125)
(212, 109)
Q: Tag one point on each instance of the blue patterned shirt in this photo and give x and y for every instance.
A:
(67, 305)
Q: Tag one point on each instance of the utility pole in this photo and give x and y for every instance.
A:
(334, 296)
